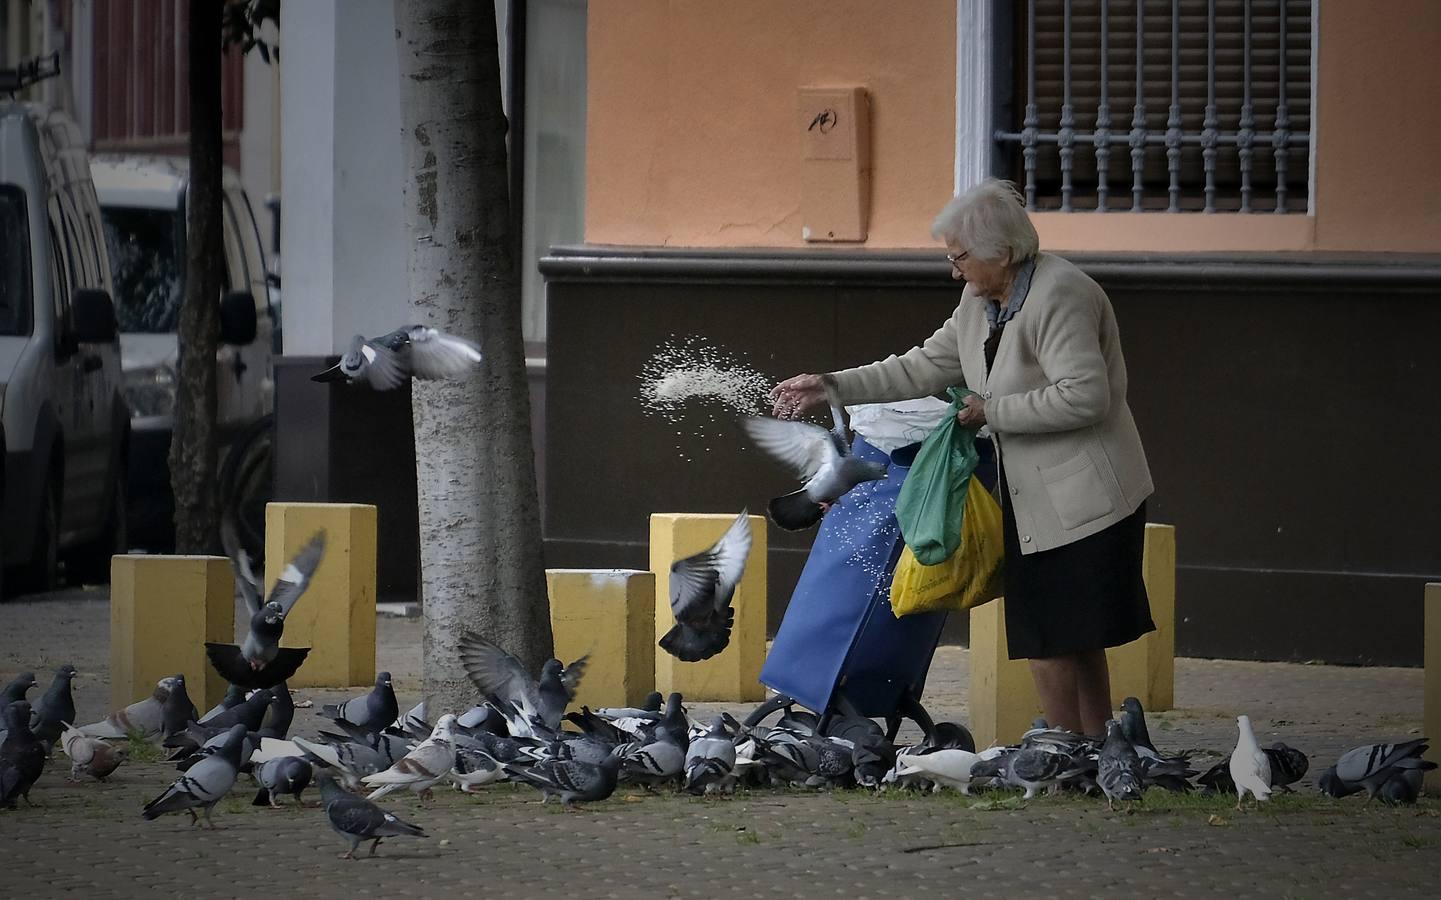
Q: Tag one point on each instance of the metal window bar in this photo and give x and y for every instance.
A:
(1203, 166)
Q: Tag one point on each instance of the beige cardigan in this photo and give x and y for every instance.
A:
(1055, 401)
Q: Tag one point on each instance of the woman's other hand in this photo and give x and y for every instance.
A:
(973, 413)
(794, 396)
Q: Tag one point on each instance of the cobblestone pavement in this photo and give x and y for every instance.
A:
(90, 838)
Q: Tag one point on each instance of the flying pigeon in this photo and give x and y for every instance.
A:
(144, 717)
(204, 784)
(1118, 768)
(821, 459)
(422, 767)
(1250, 768)
(388, 361)
(22, 757)
(710, 760)
(701, 588)
(54, 708)
(570, 779)
(1372, 765)
(18, 687)
(496, 672)
(91, 756)
(356, 819)
(370, 713)
(282, 775)
(260, 662)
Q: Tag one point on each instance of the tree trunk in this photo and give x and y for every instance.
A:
(481, 553)
(192, 445)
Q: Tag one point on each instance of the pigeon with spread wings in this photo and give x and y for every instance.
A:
(701, 588)
(496, 672)
(821, 459)
(260, 662)
(414, 351)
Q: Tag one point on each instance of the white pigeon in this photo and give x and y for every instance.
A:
(950, 767)
(144, 716)
(422, 767)
(1250, 767)
(270, 748)
(91, 756)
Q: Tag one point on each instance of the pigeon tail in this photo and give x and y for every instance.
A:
(795, 511)
(690, 644)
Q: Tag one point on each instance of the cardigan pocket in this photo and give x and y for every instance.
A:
(1077, 492)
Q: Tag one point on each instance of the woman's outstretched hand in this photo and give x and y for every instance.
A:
(793, 397)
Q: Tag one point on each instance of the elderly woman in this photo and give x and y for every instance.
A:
(1036, 339)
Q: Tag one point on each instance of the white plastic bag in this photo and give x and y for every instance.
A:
(890, 426)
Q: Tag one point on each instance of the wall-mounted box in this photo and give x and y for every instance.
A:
(835, 162)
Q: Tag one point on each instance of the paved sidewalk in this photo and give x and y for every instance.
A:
(89, 837)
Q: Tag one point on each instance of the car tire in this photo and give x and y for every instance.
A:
(90, 563)
(42, 572)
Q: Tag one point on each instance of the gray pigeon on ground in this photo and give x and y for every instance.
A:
(1133, 726)
(178, 709)
(204, 784)
(1402, 788)
(1033, 769)
(22, 756)
(710, 761)
(356, 819)
(660, 761)
(370, 713)
(412, 351)
(260, 661)
(250, 714)
(569, 779)
(821, 459)
(493, 671)
(701, 588)
(91, 756)
(144, 717)
(1288, 765)
(1333, 786)
(1372, 765)
(1118, 768)
(18, 687)
(54, 708)
(283, 775)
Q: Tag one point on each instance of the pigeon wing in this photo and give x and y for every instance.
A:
(493, 671)
(245, 579)
(799, 446)
(296, 578)
(434, 355)
(571, 675)
(383, 369)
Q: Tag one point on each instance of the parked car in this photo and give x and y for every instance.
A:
(143, 202)
(65, 422)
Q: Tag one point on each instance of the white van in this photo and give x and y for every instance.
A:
(142, 200)
(65, 422)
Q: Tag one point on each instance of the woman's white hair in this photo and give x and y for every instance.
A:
(989, 221)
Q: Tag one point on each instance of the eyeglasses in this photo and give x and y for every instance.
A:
(957, 258)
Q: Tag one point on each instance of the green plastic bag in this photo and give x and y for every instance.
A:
(932, 503)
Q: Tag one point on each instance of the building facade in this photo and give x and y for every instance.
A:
(1245, 178)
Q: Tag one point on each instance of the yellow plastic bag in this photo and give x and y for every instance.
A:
(969, 577)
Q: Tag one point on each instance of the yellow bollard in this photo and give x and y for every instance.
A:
(163, 609)
(1432, 683)
(1146, 667)
(1003, 700)
(336, 617)
(610, 615)
(733, 675)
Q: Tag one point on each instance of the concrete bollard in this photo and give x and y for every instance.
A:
(610, 615)
(1003, 699)
(163, 609)
(336, 617)
(1432, 684)
(733, 675)
(1146, 667)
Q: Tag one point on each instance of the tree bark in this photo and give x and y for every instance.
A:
(192, 444)
(481, 552)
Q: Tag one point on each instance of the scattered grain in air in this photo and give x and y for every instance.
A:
(693, 382)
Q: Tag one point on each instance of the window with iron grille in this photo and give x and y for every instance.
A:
(1168, 105)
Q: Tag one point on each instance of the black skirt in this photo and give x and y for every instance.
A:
(1085, 595)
